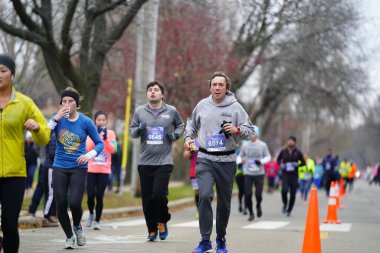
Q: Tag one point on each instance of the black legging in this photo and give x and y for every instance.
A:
(248, 184)
(289, 183)
(65, 180)
(240, 183)
(96, 186)
(11, 196)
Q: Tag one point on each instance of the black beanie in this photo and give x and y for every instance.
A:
(70, 93)
(8, 61)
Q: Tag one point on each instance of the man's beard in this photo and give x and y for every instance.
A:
(156, 101)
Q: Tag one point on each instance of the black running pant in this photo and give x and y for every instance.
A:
(96, 186)
(68, 188)
(289, 183)
(154, 182)
(240, 183)
(11, 196)
(248, 184)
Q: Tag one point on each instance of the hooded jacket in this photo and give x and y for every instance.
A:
(206, 120)
(12, 146)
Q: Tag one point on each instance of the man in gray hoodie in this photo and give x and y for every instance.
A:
(218, 122)
(157, 125)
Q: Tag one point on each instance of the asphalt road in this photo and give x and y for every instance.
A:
(274, 232)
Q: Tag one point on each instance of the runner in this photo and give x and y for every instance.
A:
(305, 176)
(18, 113)
(218, 121)
(70, 164)
(289, 159)
(99, 169)
(239, 179)
(254, 155)
(271, 171)
(157, 125)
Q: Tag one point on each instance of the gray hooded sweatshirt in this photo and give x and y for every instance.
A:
(206, 121)
(155, 147)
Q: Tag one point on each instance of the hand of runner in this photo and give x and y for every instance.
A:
(189, 143)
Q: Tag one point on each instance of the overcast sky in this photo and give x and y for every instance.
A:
(370, 10)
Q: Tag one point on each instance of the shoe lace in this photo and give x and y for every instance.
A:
(204, 244)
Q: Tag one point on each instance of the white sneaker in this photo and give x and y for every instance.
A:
(81, 237)
(96, 225)
(90, 220)
(70, 242)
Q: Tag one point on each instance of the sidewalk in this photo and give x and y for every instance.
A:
(28, 221)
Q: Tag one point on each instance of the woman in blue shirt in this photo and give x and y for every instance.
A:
(70, 163)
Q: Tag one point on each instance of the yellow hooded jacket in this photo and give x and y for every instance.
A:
(12, 146)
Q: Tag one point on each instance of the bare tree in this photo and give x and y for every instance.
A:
(301, 50)
(74, 37)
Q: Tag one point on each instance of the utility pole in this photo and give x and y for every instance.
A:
(147, 21)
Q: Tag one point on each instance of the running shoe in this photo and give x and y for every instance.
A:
(163, 231)
(90, 220)
(152, 236)
(96, 225)
(203, 247)
(81, 237)
(70, 242)
(221, 245)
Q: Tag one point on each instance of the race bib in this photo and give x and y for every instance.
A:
(307, 176)
(154, 135)
(215, 142)
(101, 158)
(252, 167)
(328, 166)
(289, 167)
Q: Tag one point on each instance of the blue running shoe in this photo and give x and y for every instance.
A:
(203, 247)
(163, 231)
(221, 245)
(152, 236)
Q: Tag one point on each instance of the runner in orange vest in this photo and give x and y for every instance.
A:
(351, 176)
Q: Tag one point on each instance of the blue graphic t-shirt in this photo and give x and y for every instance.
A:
(71, 141)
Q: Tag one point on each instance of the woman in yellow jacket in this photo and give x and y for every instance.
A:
(18, 113)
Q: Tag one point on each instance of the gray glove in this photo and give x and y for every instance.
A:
(142, 127)
(173, 136)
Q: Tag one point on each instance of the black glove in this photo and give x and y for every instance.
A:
(173, 136)
(227, 135)
(142, 127)
(104, 133)
(257, 162)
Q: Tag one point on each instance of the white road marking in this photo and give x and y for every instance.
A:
(267, 225)
(344, 227)
(129, 223)
(191, 224)
(105, 239)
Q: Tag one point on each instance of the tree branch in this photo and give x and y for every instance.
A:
(23, 34)
(128, 18)
(108, 7)
(65, 33)
(24, 17)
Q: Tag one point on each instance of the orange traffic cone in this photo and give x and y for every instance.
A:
(312, 237)
(341, 188)
(332, 215)
(337, 196)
